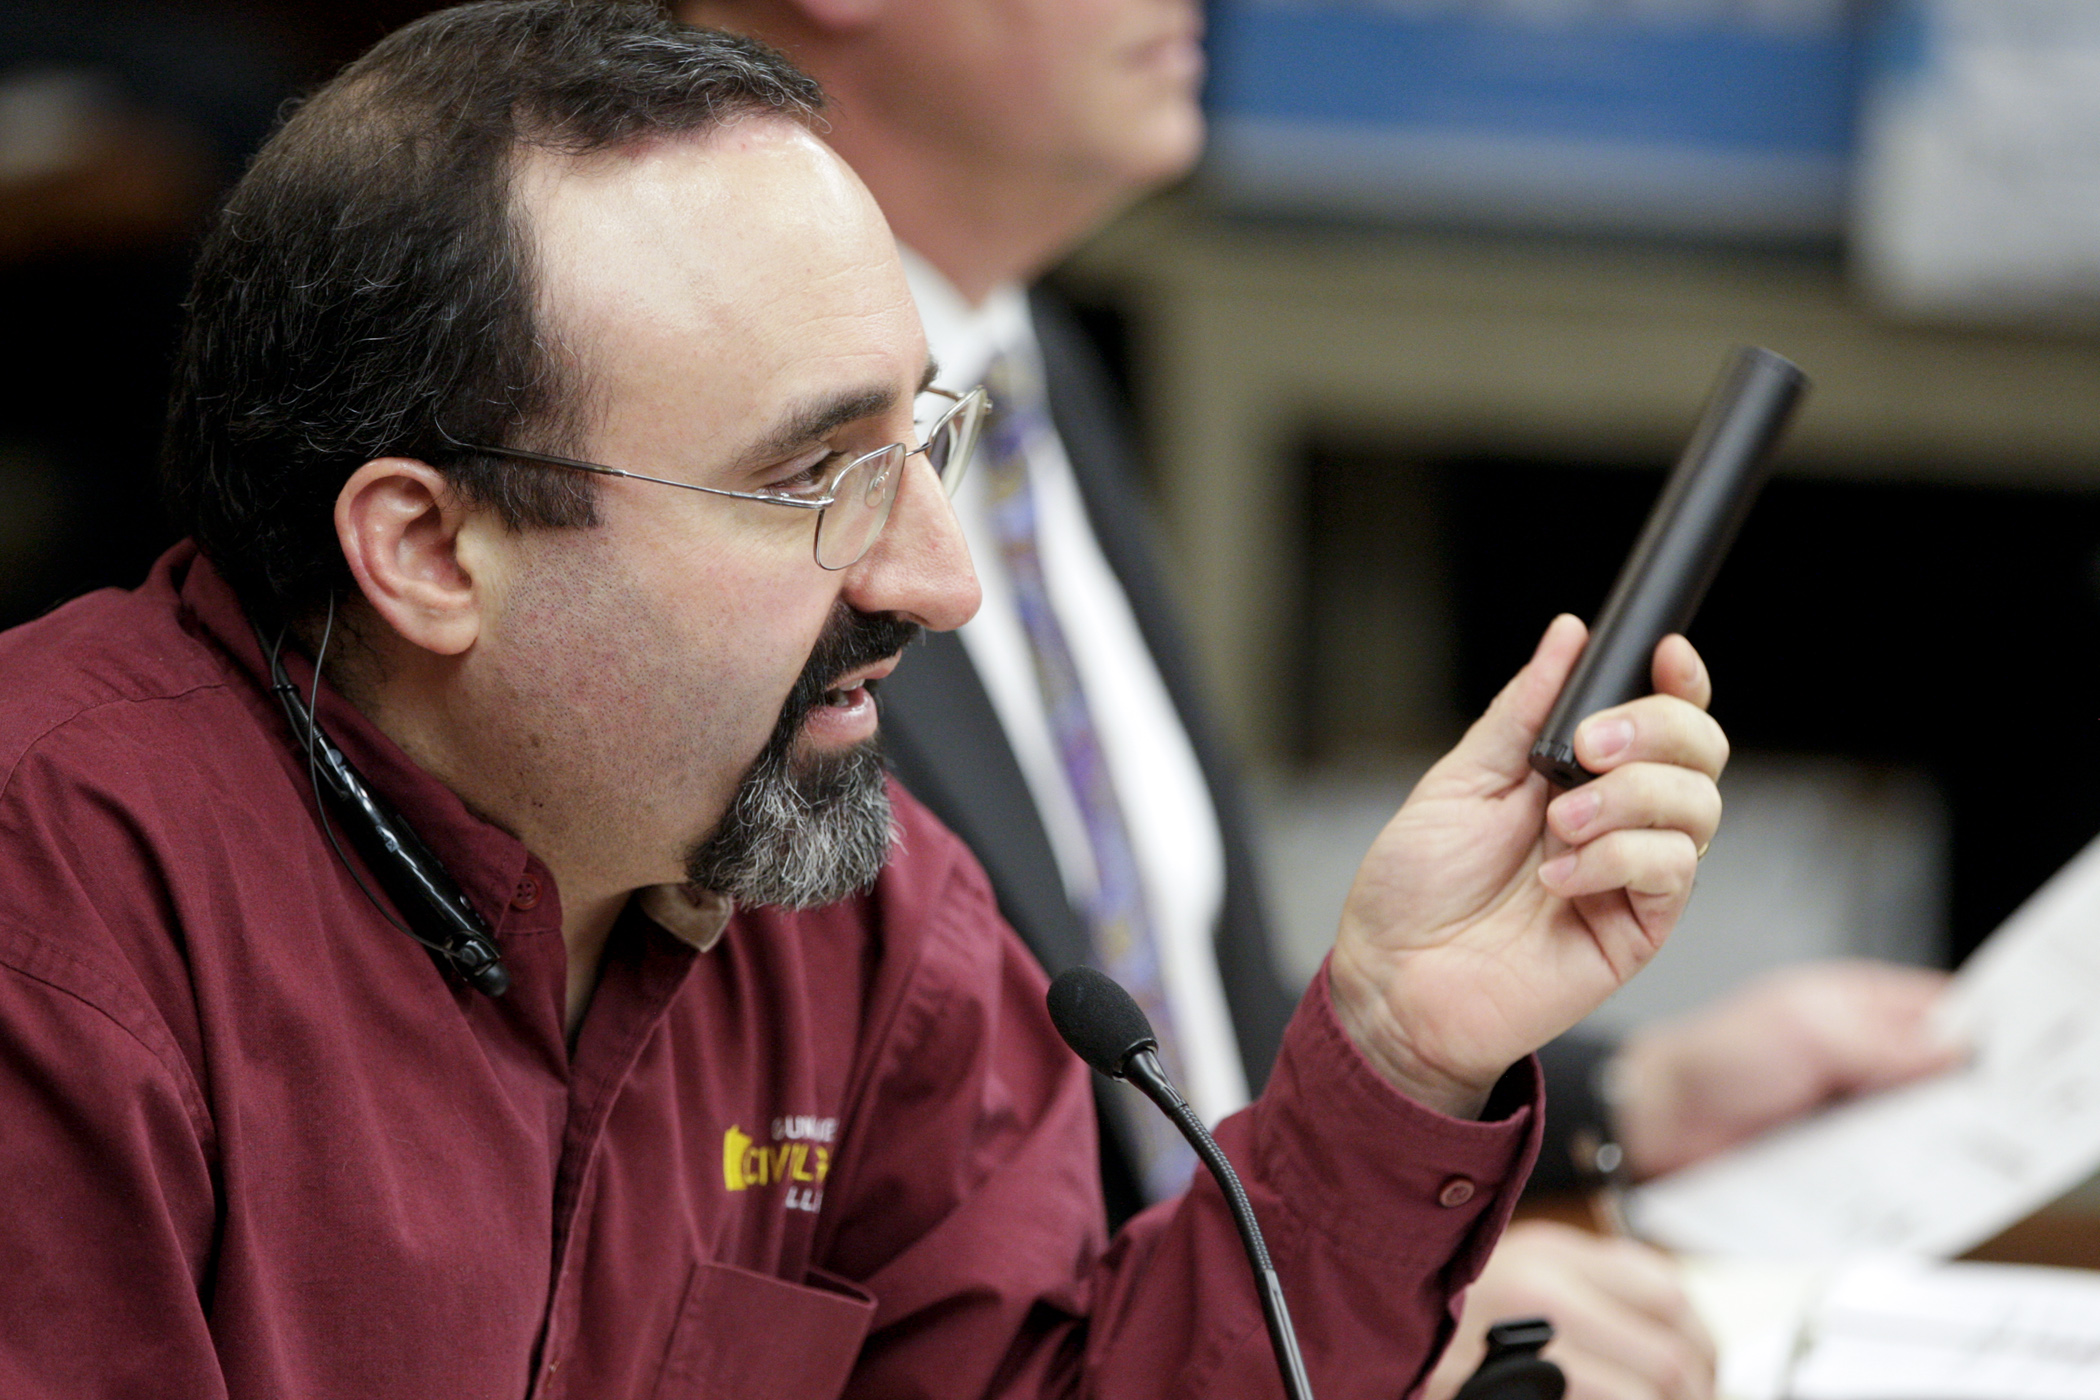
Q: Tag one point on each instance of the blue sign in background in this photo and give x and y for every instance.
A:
(1703, 124)
(1605, 79)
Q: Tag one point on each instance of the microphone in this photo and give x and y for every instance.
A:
(1105, 1027)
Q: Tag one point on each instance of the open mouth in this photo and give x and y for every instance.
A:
(855, 651)
(845, 697)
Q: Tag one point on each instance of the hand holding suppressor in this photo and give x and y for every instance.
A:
(1679, 551)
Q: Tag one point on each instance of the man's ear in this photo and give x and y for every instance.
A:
(400, 524)
(840, 14)
(752, 16)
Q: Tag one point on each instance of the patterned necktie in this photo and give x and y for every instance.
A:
(1117, 916)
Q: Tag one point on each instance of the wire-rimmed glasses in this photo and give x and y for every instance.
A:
(853, 503)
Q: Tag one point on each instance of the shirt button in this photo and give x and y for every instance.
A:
(527, 893)
(1456, 1192)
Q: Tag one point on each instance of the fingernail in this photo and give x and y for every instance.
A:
(1546, 636)
(1608, 738)
(1574, 811)
(1558, 869)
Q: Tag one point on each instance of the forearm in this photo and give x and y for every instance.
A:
(978, 1223)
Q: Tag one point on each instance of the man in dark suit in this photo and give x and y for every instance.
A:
(945, 738)
(996, 133)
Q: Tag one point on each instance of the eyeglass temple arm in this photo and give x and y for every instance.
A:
(548, 459)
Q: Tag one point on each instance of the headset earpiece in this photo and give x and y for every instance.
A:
(440, 915)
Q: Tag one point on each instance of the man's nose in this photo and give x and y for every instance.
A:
(919, 566)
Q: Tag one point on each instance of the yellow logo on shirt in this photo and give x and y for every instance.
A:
(792, 1159)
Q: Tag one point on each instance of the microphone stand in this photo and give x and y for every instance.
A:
(1108, 1030)
(1143, 1069)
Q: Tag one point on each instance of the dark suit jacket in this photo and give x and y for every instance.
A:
(945, 741)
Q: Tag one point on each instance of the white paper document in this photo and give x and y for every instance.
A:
(1938, 1167)
(1757, 1311)
(1910, 1330)
(1900, 1329)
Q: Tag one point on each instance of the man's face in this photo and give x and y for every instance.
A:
(737, 309)
(1084, 93)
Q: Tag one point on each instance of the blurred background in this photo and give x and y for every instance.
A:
(120, 124)
(1411, 353)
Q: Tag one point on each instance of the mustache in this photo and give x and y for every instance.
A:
(851, 638)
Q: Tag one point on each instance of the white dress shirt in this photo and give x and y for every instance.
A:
(1159, 785)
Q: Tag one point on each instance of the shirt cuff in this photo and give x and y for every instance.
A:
(1377, 1172)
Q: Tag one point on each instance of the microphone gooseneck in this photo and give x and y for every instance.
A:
(1106, 1028)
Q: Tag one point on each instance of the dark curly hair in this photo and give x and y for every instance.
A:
(370, 277)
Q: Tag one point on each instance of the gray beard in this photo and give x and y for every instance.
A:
(799, 834)
(805, 831)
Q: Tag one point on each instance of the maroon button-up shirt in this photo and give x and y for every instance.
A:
(254, 1143)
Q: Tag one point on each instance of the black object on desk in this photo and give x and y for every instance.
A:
(1513, 1369)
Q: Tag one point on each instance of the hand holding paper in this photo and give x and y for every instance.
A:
(1940, 1166)
(1784, 1046)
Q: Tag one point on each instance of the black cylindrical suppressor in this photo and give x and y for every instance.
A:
(1679, 551)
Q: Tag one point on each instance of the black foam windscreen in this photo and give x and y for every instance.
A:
(1098, 1019)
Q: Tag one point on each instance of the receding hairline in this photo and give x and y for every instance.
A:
(570, 338)
(364, 291)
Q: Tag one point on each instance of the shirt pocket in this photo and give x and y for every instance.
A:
(744, 1333)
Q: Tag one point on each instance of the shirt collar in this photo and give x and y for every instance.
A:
(688, 913)
(485, 860)
(962, 337)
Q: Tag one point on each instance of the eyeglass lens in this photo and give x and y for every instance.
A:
(860, 506)
(865, 491)
(954, 436)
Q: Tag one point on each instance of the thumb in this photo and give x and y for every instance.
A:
(1500, 741)
(1895, 1038)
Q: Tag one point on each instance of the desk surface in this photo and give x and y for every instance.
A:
(2064, 1235)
